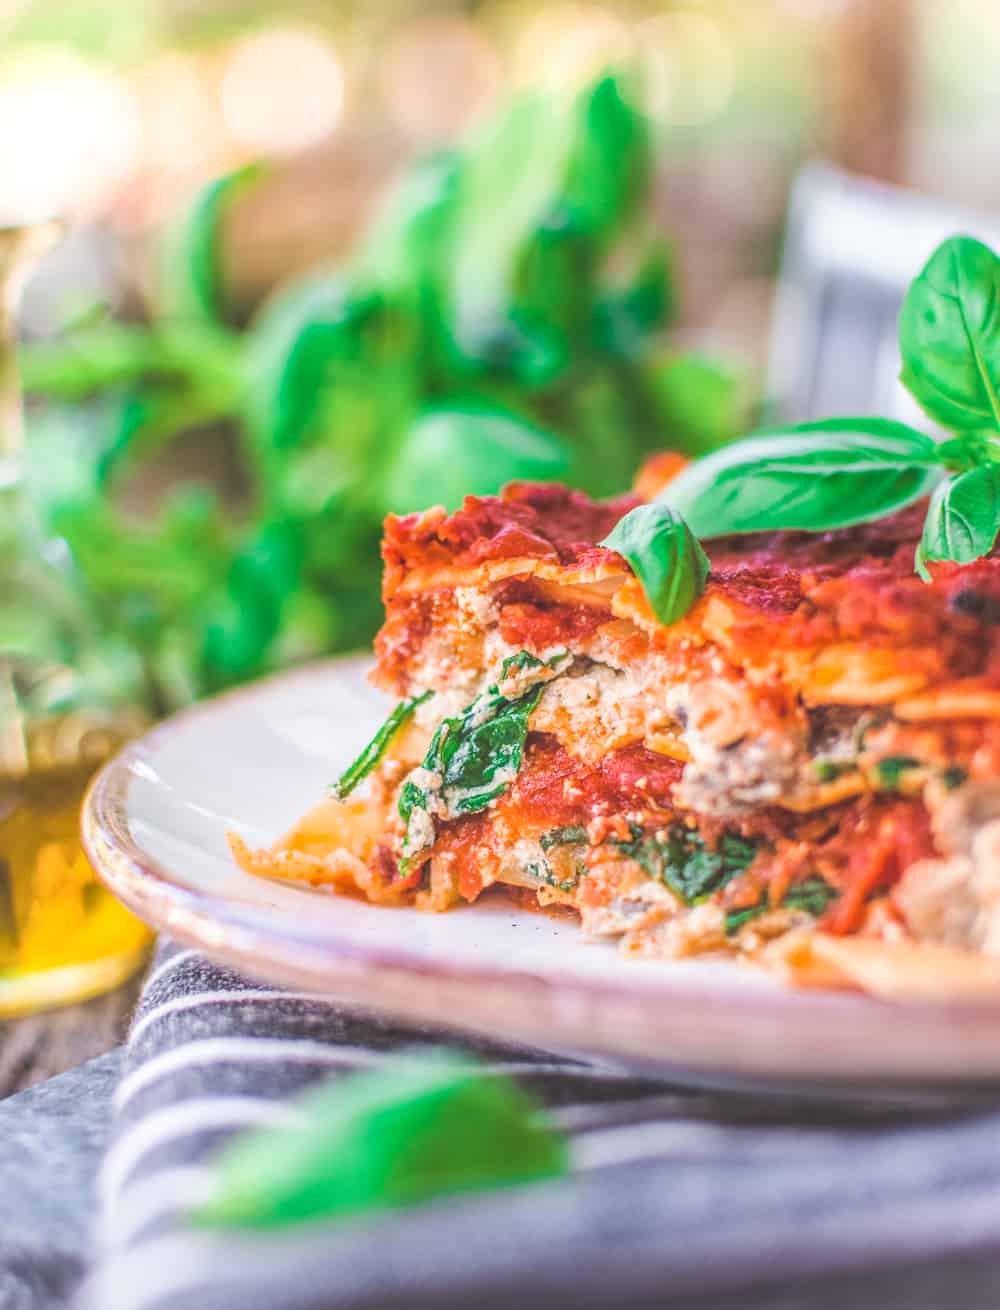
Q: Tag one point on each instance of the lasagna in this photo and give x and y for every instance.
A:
(802, 771)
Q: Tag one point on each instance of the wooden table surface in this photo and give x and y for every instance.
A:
(43, 1045)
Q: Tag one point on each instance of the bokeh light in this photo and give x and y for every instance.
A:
(70, 134)
(567, 45)
(688, 66)
(282, 90)
(437, 76)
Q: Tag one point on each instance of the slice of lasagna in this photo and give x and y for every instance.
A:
(803, 769)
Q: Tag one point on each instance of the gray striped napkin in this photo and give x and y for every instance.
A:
(677, 1198)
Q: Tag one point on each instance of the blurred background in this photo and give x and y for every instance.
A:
(287, 267)
(116, 112)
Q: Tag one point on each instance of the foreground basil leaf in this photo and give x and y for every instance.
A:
(949, 336)
(813, 477)
(376, 748)
(418, 1129)
(665, 557)
(192, 276)
(470, 450)
(963, 518)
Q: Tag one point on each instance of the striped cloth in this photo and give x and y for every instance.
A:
(677, 1198)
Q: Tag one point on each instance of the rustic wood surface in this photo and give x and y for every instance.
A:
(43, 1045)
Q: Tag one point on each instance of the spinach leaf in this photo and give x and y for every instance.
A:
(890, 769)
(665, 556)
(377, 747)
(812, 895)
(473, 757)
(689, 868)
(812, 477)
(949, 336)
(571, 836)
(963, 518)
(469, 450)
(420, 1128)
(544, 873)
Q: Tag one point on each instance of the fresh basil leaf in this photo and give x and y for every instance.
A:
(702, 402)
(963, 518)
(624, 320)
(376, 748)
(954, 776)
(689, 868)
(246, 619)
(665, 556)
(469, 450)
(949, 336)
(552, 285)
(813, 477)
(510, 180)
(399, 1136)
(192, 270)
(610, 161)
(292, 343)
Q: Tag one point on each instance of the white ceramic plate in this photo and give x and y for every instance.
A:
(253, 760)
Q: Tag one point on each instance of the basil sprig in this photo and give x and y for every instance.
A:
(962, 519)
(421, 1128)
(813, 477)
(818, 477)
(665, 557)
(949, 337)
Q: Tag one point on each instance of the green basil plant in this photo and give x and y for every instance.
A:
(815, 477)
(504, 317)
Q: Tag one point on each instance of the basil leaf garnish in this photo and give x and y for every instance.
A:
(963, 518)
(398, 1136)
(949, 336)
(813, 478)
(376, 748)
(665, 556)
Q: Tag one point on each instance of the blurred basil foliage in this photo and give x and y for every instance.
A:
(504, 318)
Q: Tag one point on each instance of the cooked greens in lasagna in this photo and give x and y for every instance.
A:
(802, 768)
